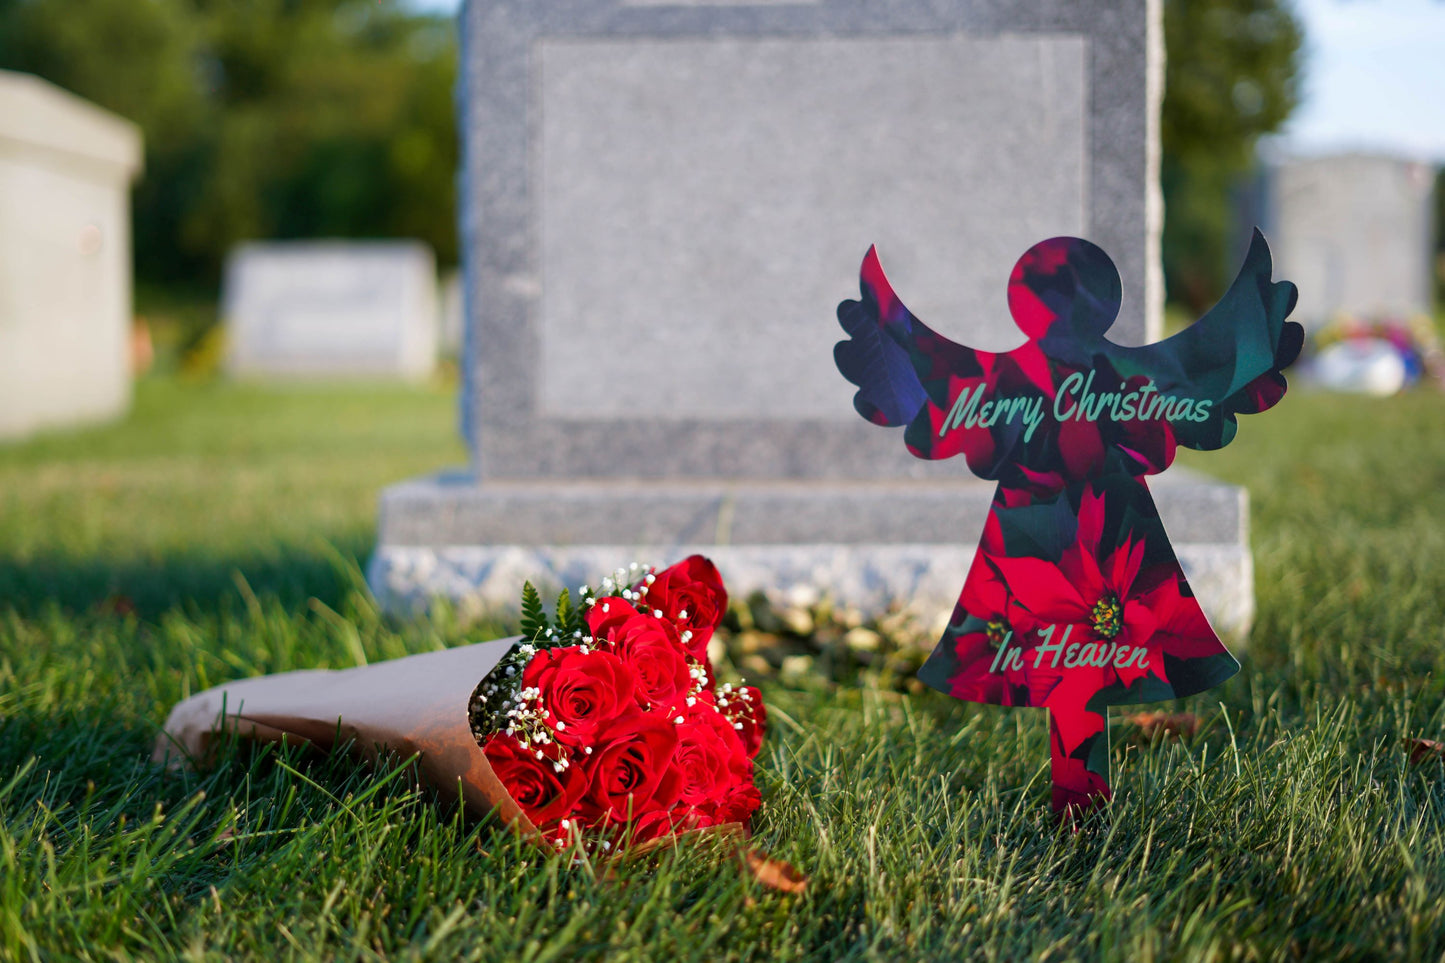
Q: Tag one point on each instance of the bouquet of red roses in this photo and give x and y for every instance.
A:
(601, 726)
(606, 725)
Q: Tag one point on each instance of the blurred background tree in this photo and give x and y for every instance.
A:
(262, 118)
(313, 118)
(1233, 74)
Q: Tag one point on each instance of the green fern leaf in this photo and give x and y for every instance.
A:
(564, 614)
(534, 617)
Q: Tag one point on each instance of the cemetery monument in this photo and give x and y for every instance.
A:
(66, 167)
(1355, 231)
(331, 309)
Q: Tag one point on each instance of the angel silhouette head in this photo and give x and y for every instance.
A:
(1068, 280)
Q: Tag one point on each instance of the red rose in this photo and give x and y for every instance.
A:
(743, 708)
(742, 800)
(581, 691)
(607, 613)
(690, 594)
(651, 649)
(653, 825)
(710, 757)
(631, 768)
(544, 794)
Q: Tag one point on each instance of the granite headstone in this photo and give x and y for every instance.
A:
(331, 308)
(663, 204)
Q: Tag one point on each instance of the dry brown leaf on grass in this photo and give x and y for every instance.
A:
(1423, 750)
(1172, 725)
(773, 873)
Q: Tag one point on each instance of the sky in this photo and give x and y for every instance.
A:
(1374, 77)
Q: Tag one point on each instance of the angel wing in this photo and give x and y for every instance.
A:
(1233, 357)
(906, 373)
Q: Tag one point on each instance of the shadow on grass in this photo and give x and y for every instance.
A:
(99, 755)
(194, 580)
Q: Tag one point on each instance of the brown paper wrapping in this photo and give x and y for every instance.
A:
(411, 706)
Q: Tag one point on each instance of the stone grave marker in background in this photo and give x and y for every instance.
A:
(66, 167)
(663, 205)
(1356, 233)
(331, 309)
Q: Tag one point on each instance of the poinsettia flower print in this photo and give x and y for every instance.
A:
(1123, 617)
(980, 627)
(1097, 626)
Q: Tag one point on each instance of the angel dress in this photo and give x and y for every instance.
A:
(1075, 600)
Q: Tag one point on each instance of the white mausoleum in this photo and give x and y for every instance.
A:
(66, 167)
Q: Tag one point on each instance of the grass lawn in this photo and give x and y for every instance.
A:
(219, 531)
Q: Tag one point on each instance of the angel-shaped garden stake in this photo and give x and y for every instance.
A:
(1075, 600)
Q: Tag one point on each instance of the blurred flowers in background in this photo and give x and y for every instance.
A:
(1377, 356)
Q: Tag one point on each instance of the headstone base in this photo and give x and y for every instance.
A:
(864, 544)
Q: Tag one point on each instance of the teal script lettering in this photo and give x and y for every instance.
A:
(1075, 401)
(1066, 654)
(971, 411)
